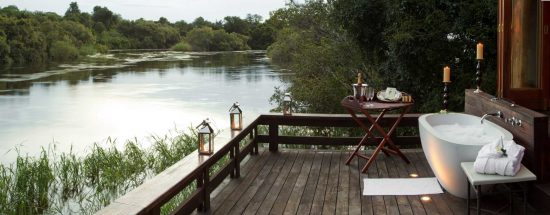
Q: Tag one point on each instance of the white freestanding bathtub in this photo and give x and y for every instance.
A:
(449, 139)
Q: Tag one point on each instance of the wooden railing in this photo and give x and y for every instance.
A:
(157, 191)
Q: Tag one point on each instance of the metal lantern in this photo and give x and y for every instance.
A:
(236, 117)
(287, 104)
(206, 138)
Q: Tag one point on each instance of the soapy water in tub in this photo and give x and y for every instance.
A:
(465, 134)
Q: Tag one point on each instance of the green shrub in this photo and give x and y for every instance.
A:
(87, 49)
(62, 51)
(101, 48)
(182, 46)
(207, 39)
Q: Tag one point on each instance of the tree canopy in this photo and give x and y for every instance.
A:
(404, 44)
(36, 37)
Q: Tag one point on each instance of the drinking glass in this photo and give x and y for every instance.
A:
(371, 93)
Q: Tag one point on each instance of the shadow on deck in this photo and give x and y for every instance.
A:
(318, 182)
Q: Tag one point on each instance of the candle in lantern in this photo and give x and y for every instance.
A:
(479, 51)
(359, 78)
(446, 74)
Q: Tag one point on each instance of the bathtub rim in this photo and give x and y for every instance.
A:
(424, 123)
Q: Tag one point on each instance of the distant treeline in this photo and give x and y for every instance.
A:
(37, 37)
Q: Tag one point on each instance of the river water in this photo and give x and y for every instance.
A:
(127, 95)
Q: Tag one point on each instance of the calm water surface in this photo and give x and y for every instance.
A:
(127, 95)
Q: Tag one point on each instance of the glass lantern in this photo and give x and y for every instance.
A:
(206, 138)
(287, 104)
(236, 117)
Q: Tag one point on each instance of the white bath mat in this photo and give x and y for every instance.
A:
(400, 186)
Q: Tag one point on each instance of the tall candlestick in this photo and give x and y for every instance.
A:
(479, 73)
(445, 97)
(446, 74)
(479, 55)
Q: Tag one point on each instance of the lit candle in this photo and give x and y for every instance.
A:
(479, 51)
(447, 74)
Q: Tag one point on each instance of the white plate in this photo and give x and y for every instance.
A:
(381, 95)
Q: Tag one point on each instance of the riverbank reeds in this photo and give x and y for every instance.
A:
(54, 183)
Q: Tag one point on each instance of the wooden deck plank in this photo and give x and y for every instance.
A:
(296, 193)
(316, 182)
(221, 193)
(379, 205)
(275, 189)
(404, 170)
(276, 161)
(439, 200)
(277, 205)
(309, 192)
(331, 193)
(354, 186)
(429, 206)
(342, 202)
(389, 201)
(261, 194)
(402, 201)
(232, 199)
(321, 187)
(367, 202)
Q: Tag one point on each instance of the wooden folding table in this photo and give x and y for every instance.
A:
(387, 146)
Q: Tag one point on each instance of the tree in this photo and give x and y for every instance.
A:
(73, 13)
(261, 36)
(403, 44)
(163, 21)
(183, 27)
(105, 16)
(200, 22)
(321, 58)
(235, 24)
(78, 33)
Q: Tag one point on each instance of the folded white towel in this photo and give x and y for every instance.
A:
(489, 150)
(490, 159)
(515, 153)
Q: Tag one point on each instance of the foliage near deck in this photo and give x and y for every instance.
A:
(403, 44)
(69, 183)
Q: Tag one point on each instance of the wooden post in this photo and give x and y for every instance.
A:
(200, 185)
(232, 158)
(273, 136)
(206, 185)
(254, 141)
(237, 161)
(155, 211)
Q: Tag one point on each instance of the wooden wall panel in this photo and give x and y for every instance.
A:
(533, 134)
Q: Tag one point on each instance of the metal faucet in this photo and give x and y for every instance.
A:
(498, 113)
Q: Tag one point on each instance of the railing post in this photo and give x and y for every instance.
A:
(155, 211)
(273, 137)
(200, 185)
(232, 158)
(237, 161)
(206, 197)
(253, 136)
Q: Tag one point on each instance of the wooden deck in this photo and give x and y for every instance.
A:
(318, 182)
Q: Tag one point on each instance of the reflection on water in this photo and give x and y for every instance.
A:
(125, 95)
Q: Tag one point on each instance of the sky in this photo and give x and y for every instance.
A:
(173, 10)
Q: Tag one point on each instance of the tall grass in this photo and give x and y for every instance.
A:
(67, 183)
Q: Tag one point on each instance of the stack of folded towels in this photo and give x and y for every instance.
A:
(499, 157)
